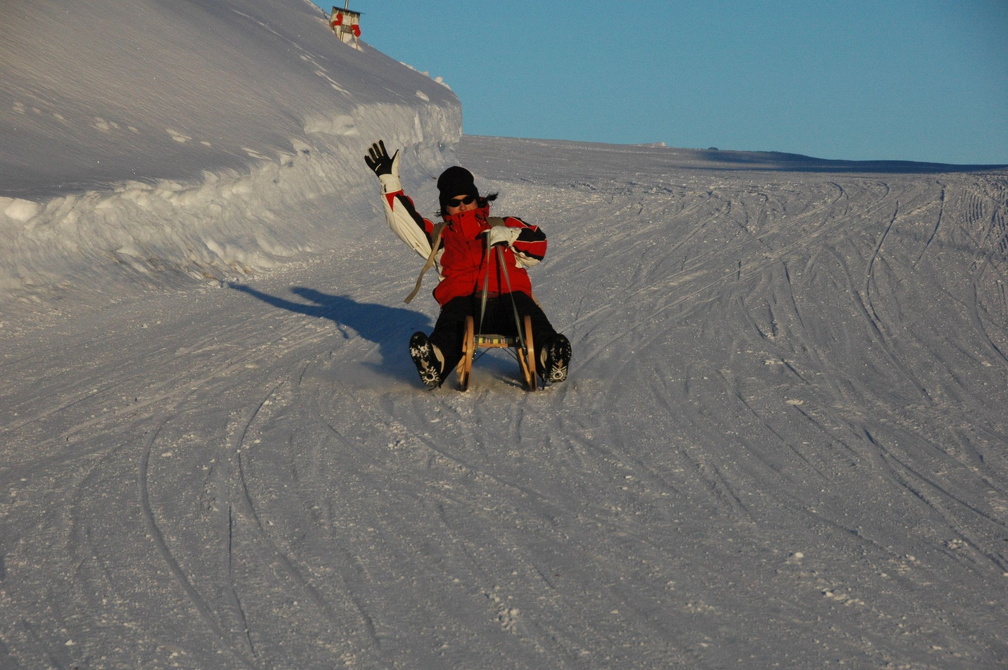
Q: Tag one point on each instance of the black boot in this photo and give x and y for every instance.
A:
(557, 355)
(427, 363)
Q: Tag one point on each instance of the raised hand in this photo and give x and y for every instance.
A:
(378, 159)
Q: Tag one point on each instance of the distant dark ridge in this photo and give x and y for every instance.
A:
(718, 159)
(786, 162)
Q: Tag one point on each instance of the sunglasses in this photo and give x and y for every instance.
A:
(458, 202)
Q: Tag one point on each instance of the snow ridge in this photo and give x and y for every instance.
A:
(193, 153)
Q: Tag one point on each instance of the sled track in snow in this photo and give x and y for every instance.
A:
(192, 593)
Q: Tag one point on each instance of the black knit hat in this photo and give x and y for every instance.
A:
(453, 182)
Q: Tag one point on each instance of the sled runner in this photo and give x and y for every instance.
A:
(524, 352)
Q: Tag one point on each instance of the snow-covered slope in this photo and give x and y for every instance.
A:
(782, 444)
(190, 137)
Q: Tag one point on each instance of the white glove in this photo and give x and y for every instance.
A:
(502, 235)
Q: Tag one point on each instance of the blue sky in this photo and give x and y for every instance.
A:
(923, 80)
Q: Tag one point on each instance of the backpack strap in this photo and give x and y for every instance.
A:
(438, 229)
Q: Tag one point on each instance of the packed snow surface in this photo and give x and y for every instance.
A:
(782, 443)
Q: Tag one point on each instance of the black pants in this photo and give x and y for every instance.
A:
(499, 319)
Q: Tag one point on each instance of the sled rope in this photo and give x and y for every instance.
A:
(514, 305)
(493, 221)
(486, 287)
(502, 268)
(438, 229)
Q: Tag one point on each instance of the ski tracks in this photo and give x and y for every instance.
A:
(250, 572)
(824, 360)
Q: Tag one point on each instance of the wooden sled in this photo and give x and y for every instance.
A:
(523, 351)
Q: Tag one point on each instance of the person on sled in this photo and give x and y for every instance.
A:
(468, 270)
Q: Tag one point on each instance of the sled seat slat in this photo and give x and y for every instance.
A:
(523, 351)
(494, 341)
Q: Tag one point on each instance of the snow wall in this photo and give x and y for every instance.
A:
(200, 139)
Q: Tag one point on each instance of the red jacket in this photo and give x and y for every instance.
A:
(464, 258)
(464, 261)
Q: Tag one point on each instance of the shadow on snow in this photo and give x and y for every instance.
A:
(388, 327)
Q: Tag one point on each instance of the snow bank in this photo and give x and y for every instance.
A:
(167, 141)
